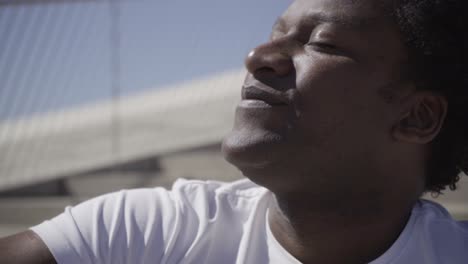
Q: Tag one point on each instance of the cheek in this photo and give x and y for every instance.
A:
(328, 84)
(335, 98)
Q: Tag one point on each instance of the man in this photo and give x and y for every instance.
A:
(350, 112)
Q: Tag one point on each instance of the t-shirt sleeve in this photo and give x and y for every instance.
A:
(130, 226)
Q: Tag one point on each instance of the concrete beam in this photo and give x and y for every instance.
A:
(181, 116)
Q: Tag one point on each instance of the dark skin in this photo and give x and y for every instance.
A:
(329, 125)
(25, 248)
(342, 138)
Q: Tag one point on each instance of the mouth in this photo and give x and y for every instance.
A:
(265, 94)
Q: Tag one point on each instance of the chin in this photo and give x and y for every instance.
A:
(264, 157)
(254, 152)
(259, 161)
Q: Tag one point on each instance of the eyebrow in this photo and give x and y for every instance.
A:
(321, 18)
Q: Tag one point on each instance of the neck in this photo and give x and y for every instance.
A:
(347, 230)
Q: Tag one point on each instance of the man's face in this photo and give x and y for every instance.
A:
(315, 100)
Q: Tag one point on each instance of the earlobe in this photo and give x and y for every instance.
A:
(424, 116)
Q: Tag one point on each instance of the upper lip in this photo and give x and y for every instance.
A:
(264, 93)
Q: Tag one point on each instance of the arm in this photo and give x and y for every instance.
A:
(25, 248)
(131, 225)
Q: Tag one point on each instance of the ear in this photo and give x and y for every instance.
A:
(422, 119)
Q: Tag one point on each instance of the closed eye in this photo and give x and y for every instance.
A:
(322, 45)
(327, 48)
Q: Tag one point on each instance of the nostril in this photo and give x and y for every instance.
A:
(264, 70)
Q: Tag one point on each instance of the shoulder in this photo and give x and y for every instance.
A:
(241, 188)
(212, 195)
(147, 223)
(435, 215)
(183, 192)
(438, 231)
(149, 205)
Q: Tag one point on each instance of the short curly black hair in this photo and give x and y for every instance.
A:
(436, 35)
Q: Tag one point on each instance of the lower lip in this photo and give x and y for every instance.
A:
(250, 103)
(261, 114)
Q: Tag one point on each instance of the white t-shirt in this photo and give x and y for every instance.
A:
(213, 222)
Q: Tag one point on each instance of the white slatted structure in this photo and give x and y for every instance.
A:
(191, 114)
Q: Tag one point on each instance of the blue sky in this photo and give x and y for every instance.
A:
(55, 56)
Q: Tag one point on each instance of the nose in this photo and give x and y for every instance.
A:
(271, 57)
